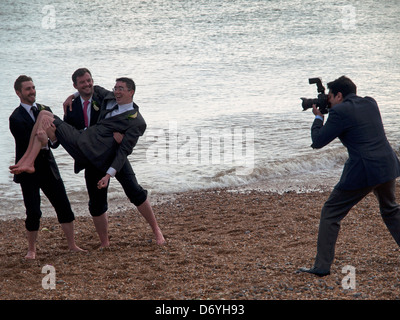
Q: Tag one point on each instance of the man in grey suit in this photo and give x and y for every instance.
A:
(372, 166)
(95, 145)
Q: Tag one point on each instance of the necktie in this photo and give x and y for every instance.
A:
(85, 116)
(35, 112)
(108, 112)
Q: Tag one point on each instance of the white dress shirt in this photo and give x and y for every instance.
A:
(28, 108)
(121, 109)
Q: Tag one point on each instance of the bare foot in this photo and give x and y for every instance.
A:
(17, 169)
(77, 249)
(160, 238)
(104, 248)
(105, 244)
(31, 255)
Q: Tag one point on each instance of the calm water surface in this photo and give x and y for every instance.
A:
(218, 83)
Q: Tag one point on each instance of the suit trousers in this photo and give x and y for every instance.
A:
(133, 190)
(53, 189)
(98, 197)
(68, 137)
(339, 204)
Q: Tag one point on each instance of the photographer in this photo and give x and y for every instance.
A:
(372, 166)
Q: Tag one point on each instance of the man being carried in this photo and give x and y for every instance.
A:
(96, 145)
(82, 110)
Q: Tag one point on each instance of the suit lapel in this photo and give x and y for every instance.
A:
(120, 118)
(25, 115)
(78, 111)
(94, 109)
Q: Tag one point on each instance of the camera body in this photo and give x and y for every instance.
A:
(322, 99)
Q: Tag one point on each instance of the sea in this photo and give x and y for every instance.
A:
(218, 82)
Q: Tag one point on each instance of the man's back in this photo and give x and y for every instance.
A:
(357, 123)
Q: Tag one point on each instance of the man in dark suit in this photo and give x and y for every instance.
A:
(46, 177)
(96, 148)
(83, 112)
(75, 115)
(372, 166)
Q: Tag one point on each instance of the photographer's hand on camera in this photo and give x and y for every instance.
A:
(317, 112)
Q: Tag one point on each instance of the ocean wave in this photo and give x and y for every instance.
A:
(326, 164)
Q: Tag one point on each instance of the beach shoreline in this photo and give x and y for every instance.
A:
(222, 244)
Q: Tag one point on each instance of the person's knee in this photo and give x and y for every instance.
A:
(96, 209)
(32, 222)
(139, 197)
(42, 136)
(389, 210)
(65, 216)
(42, 114)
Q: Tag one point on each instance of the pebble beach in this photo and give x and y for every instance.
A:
(222, 244)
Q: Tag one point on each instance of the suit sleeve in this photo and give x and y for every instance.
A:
(101, 93)
(21, 136)
(67, 115)
(321, 134)
(131, 137)
(56, 144)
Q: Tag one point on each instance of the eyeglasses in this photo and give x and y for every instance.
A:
(120, 89)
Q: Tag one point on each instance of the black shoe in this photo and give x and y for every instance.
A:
(314, 270)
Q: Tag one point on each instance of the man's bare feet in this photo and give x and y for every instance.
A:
(31, 255)
(77, 249)
(18, 169)
(105, 244)
(160, 238)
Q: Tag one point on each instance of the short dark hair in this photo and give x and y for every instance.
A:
(130, 84)
(18, 82)
(79, 73)
(343, 85)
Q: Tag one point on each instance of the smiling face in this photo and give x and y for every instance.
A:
(27, 94)
(84, 85)
(122, 94)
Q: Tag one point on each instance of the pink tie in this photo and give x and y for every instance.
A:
(85, 106)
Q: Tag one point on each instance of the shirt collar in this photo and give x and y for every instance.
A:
(28, 107)
(125, 107)
(83, 100)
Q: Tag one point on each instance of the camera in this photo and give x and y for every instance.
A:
(321, 101)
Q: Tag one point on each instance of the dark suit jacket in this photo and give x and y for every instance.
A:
(21, 125)
(97, 142)
(357, 123)
(75, 116)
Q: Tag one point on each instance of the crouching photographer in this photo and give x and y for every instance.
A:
(372, 165)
